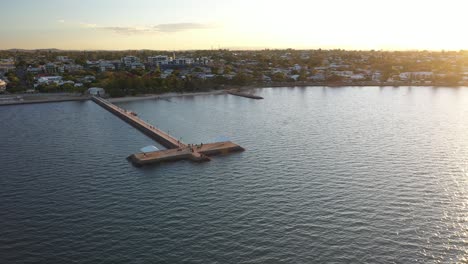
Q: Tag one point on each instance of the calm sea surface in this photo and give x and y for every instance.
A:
(330, 175)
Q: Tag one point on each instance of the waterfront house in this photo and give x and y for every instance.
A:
(3, 86)
(317, 77)
(404, 76)
(357, 77)
(96, 91)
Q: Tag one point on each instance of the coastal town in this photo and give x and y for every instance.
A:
(122, 73)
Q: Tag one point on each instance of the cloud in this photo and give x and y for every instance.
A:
(161, 28)
(180, 27)
(127, 30)
(61, 21)
(88, 25)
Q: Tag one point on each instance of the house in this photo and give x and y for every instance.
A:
(7, 65)
(376, 76)
(204, 76)
(136, 65)
(203, 61)
(129, 60)
(317, 77)
(50, 68)
(87, 79)
(266, 78)
(49, 80)
(63, 59)
(106, 66)
(182, 61)
(2, 86)
(295, 77)
(159, 60)
(415, 75)
(34, 70)
(73, 67)
(96, 91)
(347, 74)
(296, 67)
(357, 77)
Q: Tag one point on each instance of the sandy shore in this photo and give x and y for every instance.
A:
(50, 98)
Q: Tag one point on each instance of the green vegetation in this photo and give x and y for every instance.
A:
(227, 68)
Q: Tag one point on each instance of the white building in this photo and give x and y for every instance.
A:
(204, 61)
(415, 75)
(49, 80)
(296, 67)
(136, 65)
(159, 60)
(2, 85)
(128, 60)
(376, 76)
(87, 79)
(34, 70)
(317, 77)
(347, 74)
(73, 67)
(106, 66)
(295, 77)
(358, 76)
(7, 65)
(96, 91)
(63, 59)
(182, 61)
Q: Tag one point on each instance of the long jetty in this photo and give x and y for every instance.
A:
(177, 150)
(160, 136)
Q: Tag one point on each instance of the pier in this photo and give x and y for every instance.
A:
(177, 150)
(160, 136)
(246, 95)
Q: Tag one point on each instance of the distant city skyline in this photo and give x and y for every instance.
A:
(188, 24)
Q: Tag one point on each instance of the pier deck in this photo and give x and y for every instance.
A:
(199, 153)
(160, 136)
(176, 150)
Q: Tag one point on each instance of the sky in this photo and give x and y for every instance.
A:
(240, 24)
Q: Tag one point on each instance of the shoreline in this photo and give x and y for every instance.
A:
(55, 98)
(226, 89)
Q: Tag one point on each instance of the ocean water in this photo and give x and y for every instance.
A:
(329, 175)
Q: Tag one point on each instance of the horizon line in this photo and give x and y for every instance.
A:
(240, 49)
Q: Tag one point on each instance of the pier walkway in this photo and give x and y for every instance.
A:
(157, 134)
(177, 150)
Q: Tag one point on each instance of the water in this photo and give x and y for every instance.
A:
(330, 175)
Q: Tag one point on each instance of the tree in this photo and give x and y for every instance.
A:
(278, 77)
(241, 79)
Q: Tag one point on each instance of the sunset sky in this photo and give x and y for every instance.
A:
(243, 24)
